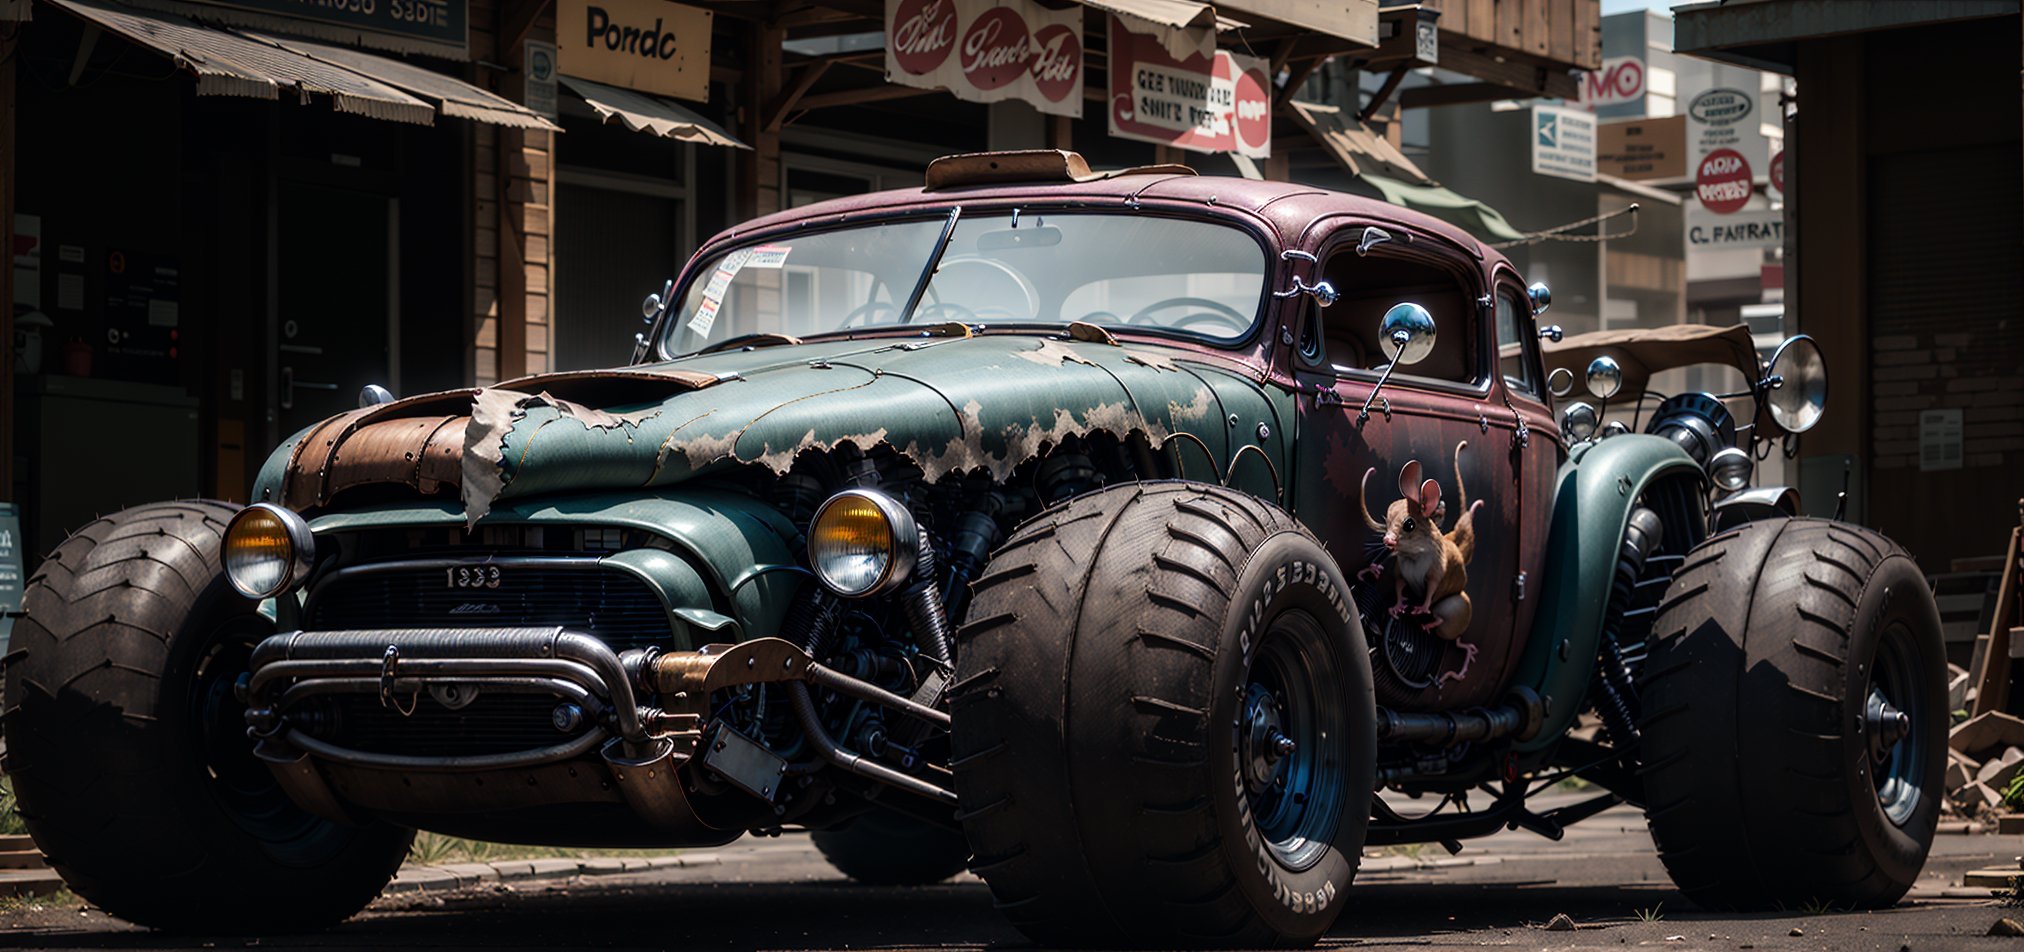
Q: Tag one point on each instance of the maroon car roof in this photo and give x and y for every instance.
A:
(1288, 206)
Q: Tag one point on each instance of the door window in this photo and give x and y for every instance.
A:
(1514, 340)
(1369, 286)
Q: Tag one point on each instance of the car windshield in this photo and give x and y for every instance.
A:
(1123, 270)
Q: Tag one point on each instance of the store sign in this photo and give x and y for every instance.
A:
(1722, 181)
(444, 22)
(540, 74)
(1217, 102)
(1778, 172)
(649, 45)
(1563, 143)
(985, 51)
(13, 578)
(1641, 149)
(1757, 228)
(1620, 81)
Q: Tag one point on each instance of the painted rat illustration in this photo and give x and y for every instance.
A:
(1430, 564)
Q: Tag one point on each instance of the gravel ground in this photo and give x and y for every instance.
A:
(779, 894)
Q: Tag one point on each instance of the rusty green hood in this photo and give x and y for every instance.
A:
(948, 403)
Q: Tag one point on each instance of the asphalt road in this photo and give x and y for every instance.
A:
(779, 894)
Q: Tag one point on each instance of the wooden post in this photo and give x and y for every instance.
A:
(1061, 133)
(760, 87)
(1992, 693)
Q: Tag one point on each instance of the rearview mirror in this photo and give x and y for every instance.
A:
(1407, 336)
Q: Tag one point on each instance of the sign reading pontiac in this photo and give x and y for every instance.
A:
(649, 45)
(984, 51)
(1216, 101)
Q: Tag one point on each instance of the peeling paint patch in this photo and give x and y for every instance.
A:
(494, 413)
(1053, 353)
(1154, 361)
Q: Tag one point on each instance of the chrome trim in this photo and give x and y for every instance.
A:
(529, 758)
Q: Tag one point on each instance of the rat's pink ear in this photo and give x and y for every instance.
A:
(1409, 479)
(1430, 497)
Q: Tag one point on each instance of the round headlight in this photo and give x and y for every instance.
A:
(267, 551)
(862, 543)
(1730, 469)
(1797, 382)
(1578, 421)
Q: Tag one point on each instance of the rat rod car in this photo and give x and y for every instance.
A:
(1020, 523)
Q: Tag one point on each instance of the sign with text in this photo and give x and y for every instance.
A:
(1722, 181)
(540, 74)
(13, 577)
(649, 45)
(1563, 143)
(986, 51)
(1724, 120)
(1641, 149)
(1220, 102)
(1757, 228)
(1620, 81)
(438, 23)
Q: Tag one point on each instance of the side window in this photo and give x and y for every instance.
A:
(1513, 338)
(1370, 285)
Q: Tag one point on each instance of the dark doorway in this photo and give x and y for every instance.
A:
(337, 300)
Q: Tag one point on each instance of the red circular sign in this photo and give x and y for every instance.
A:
(996, 48)
(1723, 181)
(1057, 65)
(1778, 171)
(923, 34)
(1254, 108)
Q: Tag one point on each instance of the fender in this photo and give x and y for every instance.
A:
(740, 544)
(1593, 495)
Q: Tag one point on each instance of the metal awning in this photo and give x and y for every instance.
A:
(643, 113)
(1186, 26)
(1377, 163)
(231, 62)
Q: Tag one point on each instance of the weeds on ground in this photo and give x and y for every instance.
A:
(1818, 907)
(435, 849)
(1654, 914)
(15, 905)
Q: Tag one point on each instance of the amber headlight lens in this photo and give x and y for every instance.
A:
(862, 543)
(268, 550)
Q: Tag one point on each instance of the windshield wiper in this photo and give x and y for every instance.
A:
(934, 261)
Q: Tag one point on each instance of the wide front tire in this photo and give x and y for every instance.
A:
(882, 848)
(129, 753)
(1776, 770)
(1164, 726)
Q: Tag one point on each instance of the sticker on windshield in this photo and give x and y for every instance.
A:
(769, 256)
(719, 283)
(706, 318)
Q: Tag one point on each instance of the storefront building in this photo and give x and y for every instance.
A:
(227, 218)
(1904, 251)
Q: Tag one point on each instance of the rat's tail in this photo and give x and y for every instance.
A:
(1362, 502)
(1461, 492)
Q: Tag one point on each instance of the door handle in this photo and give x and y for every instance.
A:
(289, 385)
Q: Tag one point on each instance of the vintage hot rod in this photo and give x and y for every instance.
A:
(1023, 523)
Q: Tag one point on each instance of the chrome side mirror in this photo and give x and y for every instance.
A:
(1542, 298)
(1407, 335)
(1372, 237)
(372, 395)
(1605, 377)
(656, 303)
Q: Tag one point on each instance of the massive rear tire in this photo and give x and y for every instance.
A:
(129, 753)
(1775, 771)
(882, 848)
(1164, 727)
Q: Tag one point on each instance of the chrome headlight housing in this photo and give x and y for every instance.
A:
(268, 550)
(1730, 469)
(862, 543)
(1579, 421)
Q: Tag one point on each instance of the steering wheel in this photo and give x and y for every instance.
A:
(942, 312)
(1212, 311)
(864, 312)
(1026, 288)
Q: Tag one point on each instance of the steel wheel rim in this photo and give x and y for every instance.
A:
(1291, 741)
(1897, 758)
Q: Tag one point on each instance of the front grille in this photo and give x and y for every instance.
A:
(611, 605)
(615, 606)
(491, 724)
